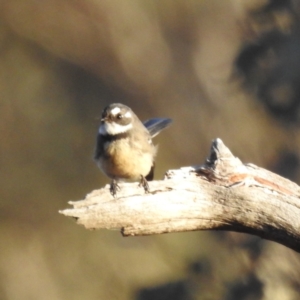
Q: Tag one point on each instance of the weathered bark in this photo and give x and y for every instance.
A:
(221, 194)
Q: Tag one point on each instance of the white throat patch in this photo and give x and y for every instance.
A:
(113, 128)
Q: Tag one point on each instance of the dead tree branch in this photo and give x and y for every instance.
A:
(222, 194)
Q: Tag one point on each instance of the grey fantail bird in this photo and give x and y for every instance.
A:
(124, 149)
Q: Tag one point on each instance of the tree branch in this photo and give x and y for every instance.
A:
(222, 194)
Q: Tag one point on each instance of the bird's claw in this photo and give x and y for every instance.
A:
(114, 187)
(144, 184)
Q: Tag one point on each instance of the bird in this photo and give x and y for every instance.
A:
(124, 147)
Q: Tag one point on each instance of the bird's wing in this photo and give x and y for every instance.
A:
(156, 125)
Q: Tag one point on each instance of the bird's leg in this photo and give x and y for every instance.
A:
(144, 184)
(114, 187)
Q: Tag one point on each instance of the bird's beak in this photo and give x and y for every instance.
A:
(104, 120)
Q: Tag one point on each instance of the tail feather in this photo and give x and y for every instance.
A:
(156, 125)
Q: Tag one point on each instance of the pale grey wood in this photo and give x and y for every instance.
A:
(222, 194)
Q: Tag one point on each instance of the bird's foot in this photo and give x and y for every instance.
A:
(144, 184)
(114, 187)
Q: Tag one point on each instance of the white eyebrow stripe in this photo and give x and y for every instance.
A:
(127, 115)
(116, 110)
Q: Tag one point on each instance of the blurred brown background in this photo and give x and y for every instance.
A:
(227, 69)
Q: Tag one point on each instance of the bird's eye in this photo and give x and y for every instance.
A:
(119, 116)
